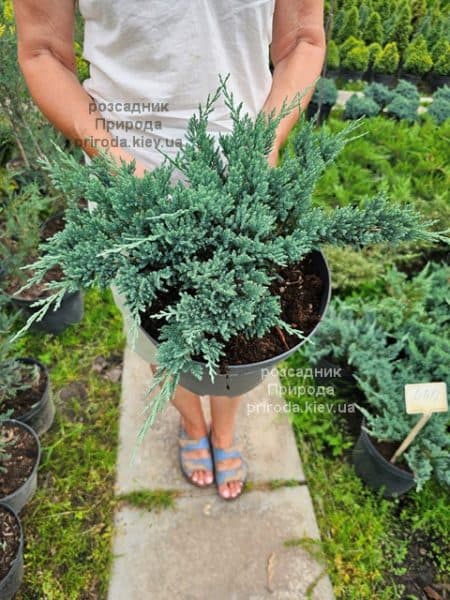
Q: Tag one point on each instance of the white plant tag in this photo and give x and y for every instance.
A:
(426, 397)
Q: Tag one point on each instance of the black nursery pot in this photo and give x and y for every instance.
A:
(70, 311)
(377, 472)
(327, 372)
(323, 111)
(10, 584)
(40, 416)
(17, 499)
(240, 379)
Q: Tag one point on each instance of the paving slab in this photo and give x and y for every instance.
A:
(263, 431)
(207, 548)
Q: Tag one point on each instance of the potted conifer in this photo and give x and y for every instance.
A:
(20, 453)
(388, 342)
(222, 270)
(323, 100)
(19, 245)
(24, 384)
(11, 553)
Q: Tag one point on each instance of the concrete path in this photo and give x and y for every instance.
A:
(206, 548)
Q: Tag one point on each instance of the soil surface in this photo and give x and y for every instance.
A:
(23, 451)
(300, 292)
(52, 226)
(11, 284)
(9, 541)
(26, 399)
(387, 449)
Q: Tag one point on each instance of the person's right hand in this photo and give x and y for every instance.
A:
(119, 153)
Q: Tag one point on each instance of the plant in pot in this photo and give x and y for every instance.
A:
(20, 453)
(388, 342)
(24, 385)
(360, 106)
(223, 270)
(11, 552)
(323, 100)
(19, 245)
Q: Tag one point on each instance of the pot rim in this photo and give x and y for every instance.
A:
(4, 499)
(393, 468)
(21, 542)
(283, 355)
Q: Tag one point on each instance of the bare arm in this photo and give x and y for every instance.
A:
(45, 31)
(297, 52)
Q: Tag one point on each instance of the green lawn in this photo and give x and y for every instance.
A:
(68, 523)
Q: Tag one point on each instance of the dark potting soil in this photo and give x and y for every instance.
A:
(9, 541)
(387, 449)
(24, 400)
(23, 451)
(52, 226)
(13, 283)
(300, 291)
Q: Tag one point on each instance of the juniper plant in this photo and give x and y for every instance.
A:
(401, 338)
(214, 243)
(15, 376)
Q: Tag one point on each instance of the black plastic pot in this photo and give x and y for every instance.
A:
(55, 321)
(327, 372)
(240, 379)
(377, 472)
(10, 584)
(386, 79)
(17, 499)
(40, 416)
(323, 111)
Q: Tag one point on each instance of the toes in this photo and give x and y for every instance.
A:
(224, 490)
(209, 477)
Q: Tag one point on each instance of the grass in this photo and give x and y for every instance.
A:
(150, 500)
(365, 538)
(68, 523)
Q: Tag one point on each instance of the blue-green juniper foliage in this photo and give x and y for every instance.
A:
(402, 337)
(218, 240)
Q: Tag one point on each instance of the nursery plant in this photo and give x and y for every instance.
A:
(15, 377)
(379, 93)
(440, 107)
(360, 106)
(20, 236)
(206, 265)
(389, 340)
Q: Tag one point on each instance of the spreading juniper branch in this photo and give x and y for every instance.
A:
(213, 246)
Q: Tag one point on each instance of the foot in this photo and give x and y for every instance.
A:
(231, 484)
(196, 463)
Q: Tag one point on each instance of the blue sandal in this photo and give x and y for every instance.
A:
(224, 476)
(189, 465)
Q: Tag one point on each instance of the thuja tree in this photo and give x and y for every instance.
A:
(390, 341)
(213, 245)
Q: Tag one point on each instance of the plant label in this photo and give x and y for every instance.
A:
(426, 397)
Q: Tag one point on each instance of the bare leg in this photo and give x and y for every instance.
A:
(223, 415)
(193, 420)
